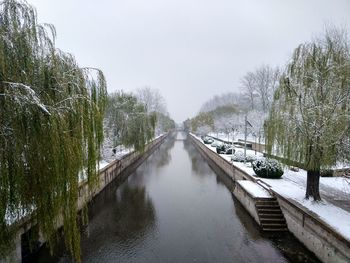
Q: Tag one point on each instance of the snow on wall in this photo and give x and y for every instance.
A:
(254, 189)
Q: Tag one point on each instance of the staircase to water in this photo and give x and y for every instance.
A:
(270, 215)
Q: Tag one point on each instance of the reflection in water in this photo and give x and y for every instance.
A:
(206, 166)
(118, 223)
(165, 158)
(286, 242)
(294, 251)
(128, 218)
(198, 166)
(246, 220)
(133, 213)
(174, 208)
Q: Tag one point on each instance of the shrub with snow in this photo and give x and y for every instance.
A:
(239, 157)
(222, 148)
(208, 140)
(267, 168)
(251, 158)
(230, 150)
(216, 144)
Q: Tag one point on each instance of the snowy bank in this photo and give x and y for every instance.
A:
(292, 186)
(254, 189)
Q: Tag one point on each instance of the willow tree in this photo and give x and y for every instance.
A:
(51, 113)
(310, 114)
(127, 121)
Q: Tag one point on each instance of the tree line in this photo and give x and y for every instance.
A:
(132, 120)
(54, 118)
(301, 110)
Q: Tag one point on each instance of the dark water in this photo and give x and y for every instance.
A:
(174, 208)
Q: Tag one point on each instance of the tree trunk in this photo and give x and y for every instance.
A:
(313, 185)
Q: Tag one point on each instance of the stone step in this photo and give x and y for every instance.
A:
(272, 220)
(270, 216)
(273, 225)
(273, 202)
(268, 206)
(269, 211)
(260, 199)
(283, 229)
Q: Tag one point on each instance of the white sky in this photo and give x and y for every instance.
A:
(190, 50)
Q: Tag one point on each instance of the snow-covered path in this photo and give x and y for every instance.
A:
(335, 193)
(335, 190)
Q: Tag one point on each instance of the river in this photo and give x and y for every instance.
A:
(175, 208)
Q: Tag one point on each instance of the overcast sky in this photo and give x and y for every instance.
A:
(190, 50)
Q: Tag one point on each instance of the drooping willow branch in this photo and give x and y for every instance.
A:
(51, 117)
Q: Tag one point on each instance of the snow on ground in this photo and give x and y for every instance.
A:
(239, 136)
(340, 183)
(121, 151)
(158, 136)
(237, 149)
(292, 185)
(254, 189)
(246, 167)
(102, 164)
(334, 216)
(21, 213)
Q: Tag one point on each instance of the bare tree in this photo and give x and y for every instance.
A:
(249, 86)
(226, 99)
(259, 87)
(230, 123)
(155, 103)
(152, 99)
(266, 81)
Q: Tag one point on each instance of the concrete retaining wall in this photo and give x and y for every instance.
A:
(327, 244)
(316, 235)
(112, 170)
(247, 200)
(106, 176)
(234, 172)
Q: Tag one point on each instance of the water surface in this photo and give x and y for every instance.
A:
(175, 208)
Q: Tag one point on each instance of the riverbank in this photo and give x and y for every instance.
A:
(320, 234)
(175, 208)
(107, 174)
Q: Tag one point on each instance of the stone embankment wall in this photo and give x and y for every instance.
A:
(106, 176)
(234, 172)
(113, 169)
(247, 200)
(327, 244)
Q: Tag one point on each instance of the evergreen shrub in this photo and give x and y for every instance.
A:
(267, 168)
(239, 157)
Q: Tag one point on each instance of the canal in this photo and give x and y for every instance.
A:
(175, 208)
